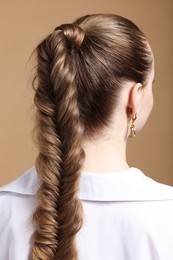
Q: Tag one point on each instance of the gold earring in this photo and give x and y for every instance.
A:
(132, 128)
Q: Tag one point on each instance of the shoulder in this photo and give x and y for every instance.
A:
(143, 188)
(152, 189)
(25, 184)
(18, 200)
(129, 185)
(23, 187)
(17, 204)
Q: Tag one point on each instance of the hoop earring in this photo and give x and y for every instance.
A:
(132, 128)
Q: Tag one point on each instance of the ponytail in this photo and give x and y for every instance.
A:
(59, 133)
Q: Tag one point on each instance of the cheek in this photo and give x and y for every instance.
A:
(144, 111)
(151, 103)
(148, 102)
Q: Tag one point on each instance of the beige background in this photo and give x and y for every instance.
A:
(24, 23)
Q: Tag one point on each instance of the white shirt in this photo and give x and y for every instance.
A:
(127, 216)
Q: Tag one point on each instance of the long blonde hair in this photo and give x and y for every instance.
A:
(80, 70)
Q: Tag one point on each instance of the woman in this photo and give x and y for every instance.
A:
(93, 90)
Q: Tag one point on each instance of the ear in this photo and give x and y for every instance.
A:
(134, 100)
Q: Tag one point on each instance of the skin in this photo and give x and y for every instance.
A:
(109, 148)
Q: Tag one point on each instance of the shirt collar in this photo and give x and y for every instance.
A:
(129, 185)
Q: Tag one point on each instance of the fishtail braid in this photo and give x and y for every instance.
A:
(58, 216)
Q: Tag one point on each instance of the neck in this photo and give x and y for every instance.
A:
(105, 155)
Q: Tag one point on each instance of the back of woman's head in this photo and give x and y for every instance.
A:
(81, 69)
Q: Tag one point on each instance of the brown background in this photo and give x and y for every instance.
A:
(24, 23)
